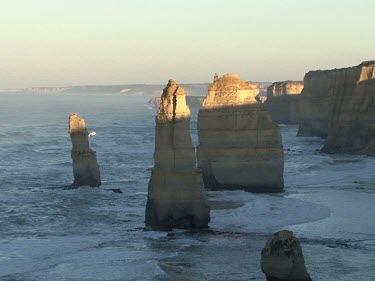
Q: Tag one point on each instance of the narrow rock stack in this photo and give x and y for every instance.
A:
(240, 146)
(176, 196)
(283, 101)
(282, 258)
(85, 166)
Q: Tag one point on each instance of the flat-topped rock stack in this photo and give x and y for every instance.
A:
(283, 101)
(240, 146)
(352, 110)
(176, 196)
(85, 166)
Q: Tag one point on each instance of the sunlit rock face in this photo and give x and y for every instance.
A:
(254, 88)
(176, 196)
(85, 166)
(240, 146)
(282, 258)
(352, 110)
(283, 101)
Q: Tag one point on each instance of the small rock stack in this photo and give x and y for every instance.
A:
(85, 166)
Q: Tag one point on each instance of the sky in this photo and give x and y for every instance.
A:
(99, 42)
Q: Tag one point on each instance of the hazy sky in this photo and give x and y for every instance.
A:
(75, 42)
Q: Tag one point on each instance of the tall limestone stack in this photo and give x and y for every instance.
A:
(85, 166)
(176, 196)
(282, 258)
(283, 101)
(352, 110)
(240, 146)
(314, 104)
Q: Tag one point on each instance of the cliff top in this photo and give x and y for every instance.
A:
(229, 80)
(362, 64)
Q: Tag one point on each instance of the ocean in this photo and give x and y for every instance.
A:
(50, 233)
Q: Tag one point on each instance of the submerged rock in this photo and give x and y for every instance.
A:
(85, 166)
(283, 101)
(240, 146)
(176, 197)
(282, 258)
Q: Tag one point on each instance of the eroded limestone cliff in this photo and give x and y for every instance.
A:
(339, 104)
(176, 196)
(85, 166)
(283, 101)
(239, 145)
(314, 104)
(351, 127)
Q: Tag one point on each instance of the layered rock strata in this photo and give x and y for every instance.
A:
(314, 104)
(240, 146)
(85, 166)
(282, 258)
(191, 101)
(176, 196)
(283, 101)
(351, 127)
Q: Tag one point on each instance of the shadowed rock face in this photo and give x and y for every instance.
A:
(176, 197)
(191, 101)
(351, 127)
(283, 101)
(282, 258)
(239, 145)
(314, 104)
(85, 166)
(339, 104)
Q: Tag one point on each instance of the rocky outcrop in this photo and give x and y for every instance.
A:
(191, 101)
(351, 127)
(85, 166)
(314, 104)
(339, 105)
(176, 197)
(282, 258)
(284, 88)
(283, 101)
(254, 88)
(240, 146)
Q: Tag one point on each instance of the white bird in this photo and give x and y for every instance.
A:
(92, 134)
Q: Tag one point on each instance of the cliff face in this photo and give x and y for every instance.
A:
(176, 197)
(239, 145)
(314, 104)
(352, 110)
(283, 101)
(85, 166)
(284, 88)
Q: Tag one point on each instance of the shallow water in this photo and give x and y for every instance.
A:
(47, 233)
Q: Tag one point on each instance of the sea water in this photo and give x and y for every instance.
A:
(50, 233)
